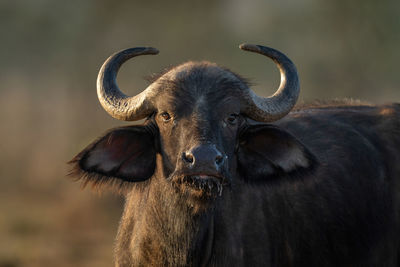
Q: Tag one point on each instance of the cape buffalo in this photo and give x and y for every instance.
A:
(218, 176)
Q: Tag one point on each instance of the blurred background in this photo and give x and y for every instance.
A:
(51, 51)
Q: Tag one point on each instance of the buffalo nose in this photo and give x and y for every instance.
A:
(204, 156)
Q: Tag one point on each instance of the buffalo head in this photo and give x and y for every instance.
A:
(197, 134)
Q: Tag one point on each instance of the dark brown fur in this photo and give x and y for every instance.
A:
(321, 187)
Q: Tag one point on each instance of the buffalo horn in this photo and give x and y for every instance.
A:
(116, 103)
(282, 101)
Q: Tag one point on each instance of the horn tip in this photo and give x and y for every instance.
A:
(249, 47)
(152, 50)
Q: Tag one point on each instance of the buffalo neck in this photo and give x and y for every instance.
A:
(160, 228)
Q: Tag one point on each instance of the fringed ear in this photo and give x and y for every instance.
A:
(266, 152)
(120, 157)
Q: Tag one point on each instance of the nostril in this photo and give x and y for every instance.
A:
(188, 157)
(219, 159)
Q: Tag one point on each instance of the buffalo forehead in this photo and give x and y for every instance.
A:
(198, 85)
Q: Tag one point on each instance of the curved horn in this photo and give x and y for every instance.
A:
(116, 103)
(282, 101)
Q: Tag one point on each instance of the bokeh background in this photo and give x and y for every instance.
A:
(51, 50)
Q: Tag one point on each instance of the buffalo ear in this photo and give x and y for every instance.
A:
(266, 152)
(122, 155)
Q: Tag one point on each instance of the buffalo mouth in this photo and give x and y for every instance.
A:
(203, 184)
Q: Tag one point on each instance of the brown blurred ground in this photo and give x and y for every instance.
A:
(51, 51)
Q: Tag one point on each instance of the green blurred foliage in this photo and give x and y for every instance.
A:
(50, 52)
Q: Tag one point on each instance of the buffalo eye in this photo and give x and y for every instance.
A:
(232, 119)
(165, 116)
